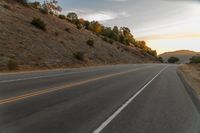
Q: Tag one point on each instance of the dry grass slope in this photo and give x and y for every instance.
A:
(31, 48)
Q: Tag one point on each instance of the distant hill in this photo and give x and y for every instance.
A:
(61, 45)
(183, 55)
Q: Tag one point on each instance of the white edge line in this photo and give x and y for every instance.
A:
(116, 113)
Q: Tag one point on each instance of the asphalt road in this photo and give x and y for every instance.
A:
(147, 98)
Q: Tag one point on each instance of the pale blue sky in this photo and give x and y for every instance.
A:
(166, 25)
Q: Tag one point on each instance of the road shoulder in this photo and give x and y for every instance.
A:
(191, 83)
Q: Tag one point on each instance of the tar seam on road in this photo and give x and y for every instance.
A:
(116, 113)
(49, 90)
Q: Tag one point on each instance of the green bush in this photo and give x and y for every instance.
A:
(108, 40)
(195, 59)
(37, 22)
(173, 60)
(79, 56)
(7, 7)
(12, 65)
(35, 5)
(67, 29)
(56, 34)
(90, 42)
(105, 39)
(79, 26)
(111, 41)
(72, 17)
(25, 2)
(151, 52)
(160, 59)
(44, 11)
(62, 16)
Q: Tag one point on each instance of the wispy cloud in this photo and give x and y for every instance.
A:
(171, 36)
(100, 16)
(91, 15)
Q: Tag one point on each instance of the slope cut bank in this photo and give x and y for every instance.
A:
(26, 47)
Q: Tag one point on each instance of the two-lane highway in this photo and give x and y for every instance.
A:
(147, 98)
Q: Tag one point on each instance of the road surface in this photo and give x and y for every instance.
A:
(147, 98)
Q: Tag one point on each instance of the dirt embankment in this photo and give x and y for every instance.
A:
(191, 73)
(61, 46)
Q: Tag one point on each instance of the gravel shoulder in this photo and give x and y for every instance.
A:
(191, 74)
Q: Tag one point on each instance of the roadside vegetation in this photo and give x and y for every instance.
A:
(37, 22)
(173, 60)
(67, 40)
(80, 56)
(195, 60)
(90, 42)
(160, 59)
(110, 34)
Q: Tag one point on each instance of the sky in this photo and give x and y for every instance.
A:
(166, 25)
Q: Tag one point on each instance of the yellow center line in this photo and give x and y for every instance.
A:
(45, 91)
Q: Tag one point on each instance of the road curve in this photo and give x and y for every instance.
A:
(146, 98)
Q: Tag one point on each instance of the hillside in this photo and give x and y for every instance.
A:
(62, 45)
(183, 55)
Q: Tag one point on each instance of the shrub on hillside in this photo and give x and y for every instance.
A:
(195, 59)
(35, 5)
(79, 26)
(160, 59)
(105, 39)
(108, 40)
(173, 60)
(22, 1)
(111, 41)
(151, 52)
(79, 56)
(37, 22)
(72, 17)
(56, 33)
(90, 42)
(67, 29)
(62, 16)
(7, 7)
(12, 65)
(44, 11)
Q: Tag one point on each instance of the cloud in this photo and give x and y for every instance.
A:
(91, 15)
(171, 36)
(100, 16)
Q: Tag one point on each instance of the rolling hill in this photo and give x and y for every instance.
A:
(183, 55)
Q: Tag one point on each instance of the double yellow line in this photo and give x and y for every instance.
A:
(49, 90)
